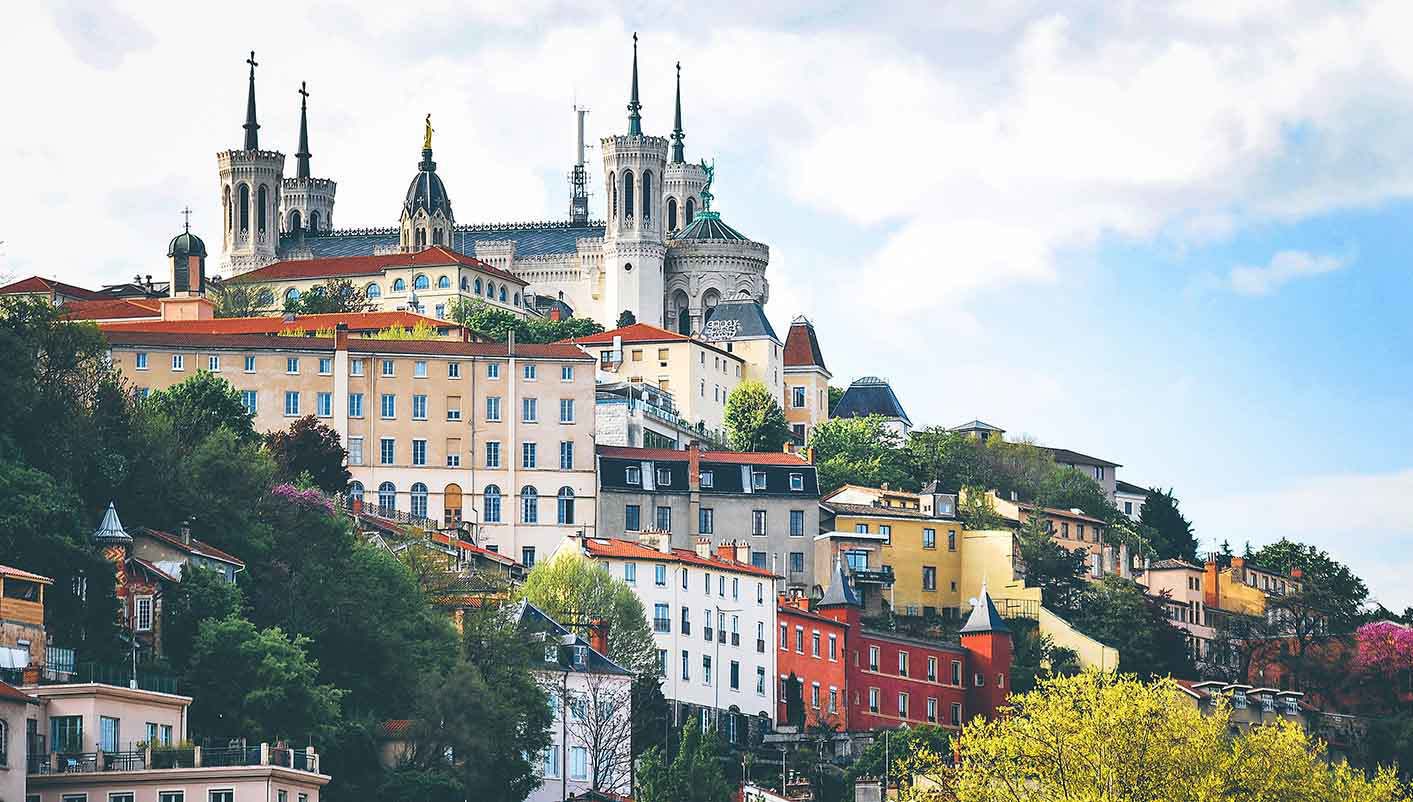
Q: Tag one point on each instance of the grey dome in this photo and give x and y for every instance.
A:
(427, 192)
(187, 244)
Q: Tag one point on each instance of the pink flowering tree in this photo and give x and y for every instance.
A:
(1385, 656)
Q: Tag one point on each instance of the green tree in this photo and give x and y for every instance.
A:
(952, 460)
(1120, 613)
(496, 324)
(1035, 656)
(625, 318)
(754, 419)
(335, 295)
(574, 590)
(242, 299)
(1067, 488)
(1330, 584)
(309, 446)
(862, 451)
(258, 683)
(414, 784)
(890, 747)
(835, 393)
(978, 510)
(202, 595)
(694, 775)
(1057, 571)
(1173, 535)
(200, 405)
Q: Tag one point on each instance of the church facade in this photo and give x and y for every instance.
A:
(660, 252)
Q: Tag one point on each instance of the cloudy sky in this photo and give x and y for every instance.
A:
(1175, 237)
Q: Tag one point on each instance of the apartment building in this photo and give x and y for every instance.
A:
(806, 399)
(1180, 585)
(1100, 470)
(1129, 498)
(769, 500)
(698, 375)
(812, 670)
(741, 327)
(713, 616)
(437, 431)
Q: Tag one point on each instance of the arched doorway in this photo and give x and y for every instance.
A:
(451, 501)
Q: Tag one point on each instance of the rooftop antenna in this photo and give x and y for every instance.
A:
(579, 176)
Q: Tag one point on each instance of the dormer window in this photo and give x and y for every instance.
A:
(633, 475)
(581, 655)
(797, 482)
(664, 477)
(758, 480)
(708, 478)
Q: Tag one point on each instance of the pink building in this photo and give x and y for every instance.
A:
(91, 742)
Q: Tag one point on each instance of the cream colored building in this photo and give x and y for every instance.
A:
(806, 396)
(435, 429)
(699, 375)
(740, 326)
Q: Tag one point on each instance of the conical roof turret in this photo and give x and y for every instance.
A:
(111, 530)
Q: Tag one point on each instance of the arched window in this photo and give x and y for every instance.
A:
(565, 505)
(263, 196)
(517, 299)
(419, 500)
(529, 505)
(314, 221)
(502, 293)
(691, 211)
(387, 496)
(266, 297)
(443, 283)
(373, 291)
(421, 238)
(478, 286)
(465, 284)
(671, 214)
(355, 491)
(491, 290)
(292, 295)
(244, 204)
(436, 236)
(647, 194)
(399, 285)
(612, 197)
(492, 494)
(229, 209)
(294, 220)
(628, 193)
(421, 282)
(451, 502)
(710, 299)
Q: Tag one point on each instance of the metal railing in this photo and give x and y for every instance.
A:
(59, 659)
(122, 676)
(161, 757)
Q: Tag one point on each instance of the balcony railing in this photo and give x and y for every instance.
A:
(706, 632)
(735, 639)
(122, 676)
(173, 758)
(760, 645)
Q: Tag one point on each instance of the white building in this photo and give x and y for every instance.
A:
(713, 618)
(1129, 498)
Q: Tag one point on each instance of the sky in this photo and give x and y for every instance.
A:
(1171, 235)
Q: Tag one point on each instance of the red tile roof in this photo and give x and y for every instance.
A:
(274, 324)
(736, 457)
(458, 348)
(196, 547)
(636, 333)
(14, 694)
(395, 728)
(16, 573)
(802, 347)
(112, 309)
(632, 550)
(36, 284)
(338, 266)
(125, 337)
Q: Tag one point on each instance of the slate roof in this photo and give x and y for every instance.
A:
(531, 239)
(840, 591)
(802, 346)
(369, 265)
(1171, 563)
(733, 457)
(841, 508)
(984, 617)
(708, 226)
(977, 425)
(870, 396)
(1120, 486)
(110, 529)
(537, 620)
(737, 320)
(1066, 456)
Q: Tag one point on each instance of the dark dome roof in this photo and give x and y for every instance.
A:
(708, 226)
(187, 244)
(427, 190)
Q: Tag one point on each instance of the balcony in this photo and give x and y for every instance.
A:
(662, 625)
(162, 757)
(760, 645)
(864, 576)
(735, 639)
(707, 634)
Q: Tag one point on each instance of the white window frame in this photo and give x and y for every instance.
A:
(137, 613)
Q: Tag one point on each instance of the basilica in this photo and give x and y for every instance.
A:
(660, 253)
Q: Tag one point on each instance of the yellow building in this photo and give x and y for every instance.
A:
(741, 328)
(806, 398)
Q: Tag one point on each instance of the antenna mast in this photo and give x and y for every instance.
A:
(579, 177)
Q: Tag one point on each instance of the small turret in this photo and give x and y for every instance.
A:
(987, 641)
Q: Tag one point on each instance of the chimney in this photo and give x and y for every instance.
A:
(1211, 591)
(598, 636)
(743, 552)
(186, 532)
(726, 551)
(1238, 568)
(556, 315)
(341, 337)
(703, 546)
(1297, 573)
(694, 466)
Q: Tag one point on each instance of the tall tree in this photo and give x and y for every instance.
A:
(1067, 488)
(603, 723)
(573, 590)
(1329, 583)
(309, 446)
(625, 318)
(862, 451)
(951, 459)
(693, 775)
(754, 419)
(1057, 571)
(1118, 612)
(199, 405)
(335, 295)
(1173, 535)
(202, 595)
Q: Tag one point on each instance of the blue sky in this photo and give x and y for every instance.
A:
(1173, 236)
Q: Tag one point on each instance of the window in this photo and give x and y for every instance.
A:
(758, 480)
(956, 672)
(951, 540)
(708, 479)
(873, 700)
(141, 357)
(797, 482)
(122, 796)
(578, 763)
(931, 710)
(757, 522)
(326, 366)
(632, 518)
(213, 363)
(355, 451)
(564, 504)
(419, 369)
(142, 614)
(797, 523)
(178, 362)
(814, 695)
(166, 734)
(324, 405)
(861, 529)
(493, 370)
(492, 496)
(630, 573)
(355, 367)
(419, 407)
(978, 680)
(660, 575)
(530, 372)
(814, 644)
(387, 451)
(527, 455)
(493, 454)
(292, 364)
(420, 282)
(493, 408)
(873, 658)
(664, 519)
(1128, 508)
(291, 403)
(929, 538)
(661, 620)
(760, 680)
(633, 475)
(66, 733)
(686, 666)
(931, 669)
(453, 407)
(566, 373)
(706, 669)
(419, 491)
(887, 531)
(419, 452)
(249, 364)
(530, 410)
(355, 405)
(549, 763)
(566, 410)
(706, 523)
(833, 646)
(929, 577)
(663, 476)
(453, 370)
(108, 734)
(529, 505)
(388, 405)
(250, 400)
(387, 367)
(902, 705)
(566, 455)
(734, 677)
(797, 397)
(73, 797)
(956, 714)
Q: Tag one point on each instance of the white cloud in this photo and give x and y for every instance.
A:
(1284, 267)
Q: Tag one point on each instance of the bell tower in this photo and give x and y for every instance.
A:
(308, 203)
(634, 234)
(683, 181)
(251, 179)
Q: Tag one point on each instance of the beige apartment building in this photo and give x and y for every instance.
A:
(699, 375)
(446, 431)
(806, 398)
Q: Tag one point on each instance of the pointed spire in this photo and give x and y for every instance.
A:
(635, 120)
(839, 592)
(677, 135)
(303, 154)
(984, 617)
(111, 529)
(252, 128)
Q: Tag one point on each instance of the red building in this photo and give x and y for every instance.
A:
(894, 679)
(810, 651)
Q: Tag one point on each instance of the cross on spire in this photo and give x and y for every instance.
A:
(186, 218)
(302, 157)
(252, 128)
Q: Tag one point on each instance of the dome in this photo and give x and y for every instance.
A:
(708, 226)
(427, 192)
(187, 244)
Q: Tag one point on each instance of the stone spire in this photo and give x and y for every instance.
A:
(635, 120)
(252, 128)
(302, 166)
(677, 134)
